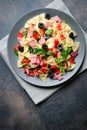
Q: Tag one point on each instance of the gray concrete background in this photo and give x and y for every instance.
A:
(12, 10)
(64, 110)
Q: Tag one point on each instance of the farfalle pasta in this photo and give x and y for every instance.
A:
(46, 47)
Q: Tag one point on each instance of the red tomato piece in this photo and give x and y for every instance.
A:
(50, 49)
(33, 24)
(44, 70)
(35, 35)
(55, 68)
(43, 64)
(42, 32)
(62, 37)
(59, 27)
(25, 61)
(16, 47)
(20, 34)
(56, 42)
(72, 60)
(31, 73)
(37, 73)
(25, 70)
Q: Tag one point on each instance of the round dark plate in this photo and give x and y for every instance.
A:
(13, 40)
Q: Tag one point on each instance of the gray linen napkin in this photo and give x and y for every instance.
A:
(37, 94)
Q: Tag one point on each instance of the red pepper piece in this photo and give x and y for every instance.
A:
(31, 73)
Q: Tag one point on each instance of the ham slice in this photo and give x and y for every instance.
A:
(27, 71)
(57, 19)
(32, 43)
(31, 29)
(57, 76)
(19, 39)
(30, 33)
(42, 40)
(34, 60)
(39, 58)
(48, 24)
(74, 54)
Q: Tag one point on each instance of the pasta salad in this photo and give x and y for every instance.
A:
(46, 47)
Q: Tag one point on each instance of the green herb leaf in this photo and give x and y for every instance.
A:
(64, 53)
(62, 69)
(61, 59)
(69, 50)
(16, 52)
(64, 42)
(25, 32)
(29, 48)
(64, 21)
(48, 32)
(49, 53)
(24, 65)
(39, 51)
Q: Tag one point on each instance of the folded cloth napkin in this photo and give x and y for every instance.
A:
(37, 94)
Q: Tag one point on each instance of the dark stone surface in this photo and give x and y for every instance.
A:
(79, 10)
(64, 110)
(12, 10)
